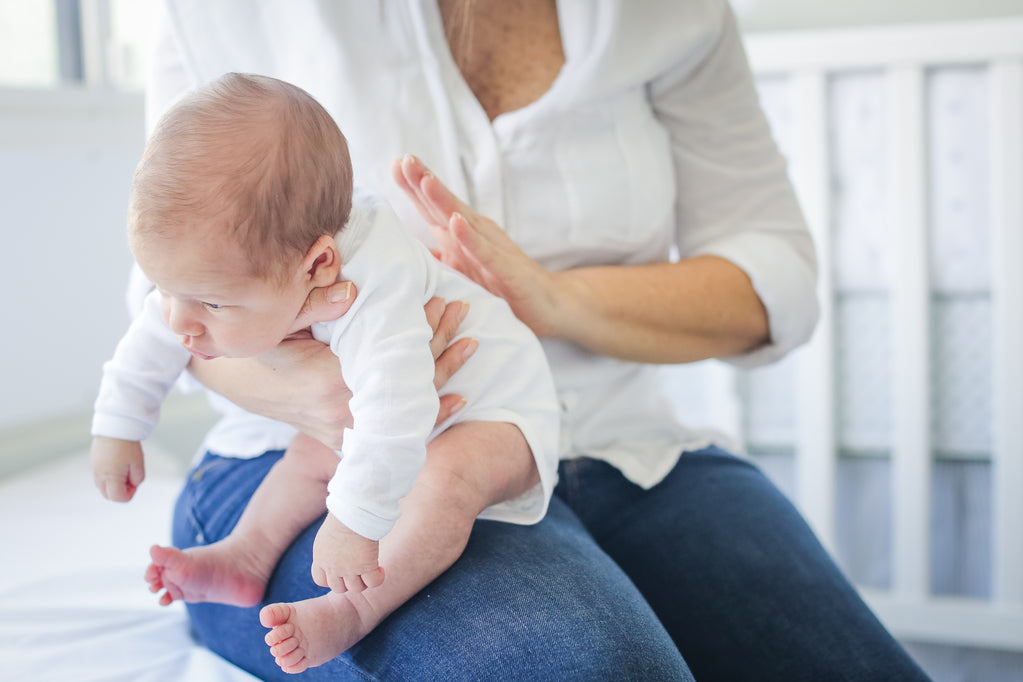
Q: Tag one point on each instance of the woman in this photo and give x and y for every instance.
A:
(590, 141)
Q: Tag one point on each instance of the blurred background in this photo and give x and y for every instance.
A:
(917, 340)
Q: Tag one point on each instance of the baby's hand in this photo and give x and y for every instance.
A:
(344, 560)
(117, 467)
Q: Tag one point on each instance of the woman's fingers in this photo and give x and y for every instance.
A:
(437, 205)
(449, 404)
(407, 173)
(431, 197)
(434, 309)
(449, 357)
(435, 194)
(446, 328)
(452, 359)
(448, 362)
(326, 303)
(477, 247)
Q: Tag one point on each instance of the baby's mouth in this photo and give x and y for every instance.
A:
(201, 356)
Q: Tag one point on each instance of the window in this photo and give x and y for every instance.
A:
(100, 43)
(28, 43)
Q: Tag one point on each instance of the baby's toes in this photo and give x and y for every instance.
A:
(279, 634)
(284, 647)
(292, 663)
(274, 615)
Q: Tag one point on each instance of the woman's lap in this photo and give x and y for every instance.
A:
(523, 602)
(734, 573)
(731, 569)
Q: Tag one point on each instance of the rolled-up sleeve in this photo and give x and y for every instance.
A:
(734, 196)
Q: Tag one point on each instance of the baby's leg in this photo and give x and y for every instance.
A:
(235, 570)
(469, 467)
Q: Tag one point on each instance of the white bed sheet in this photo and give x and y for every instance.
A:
(73, 604)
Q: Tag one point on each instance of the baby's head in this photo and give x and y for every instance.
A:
(233, 210)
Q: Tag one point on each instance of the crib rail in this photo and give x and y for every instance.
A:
(905, 55)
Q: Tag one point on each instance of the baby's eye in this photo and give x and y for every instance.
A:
(212, 306)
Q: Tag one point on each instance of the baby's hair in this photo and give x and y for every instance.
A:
(250, 154)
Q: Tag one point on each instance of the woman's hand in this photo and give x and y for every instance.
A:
(299, 382)
(477, 247)
(700, 307)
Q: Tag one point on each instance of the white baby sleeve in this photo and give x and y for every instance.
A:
(383, 346)
(148, 360)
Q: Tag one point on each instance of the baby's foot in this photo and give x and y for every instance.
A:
(309, 633)
(208, 573)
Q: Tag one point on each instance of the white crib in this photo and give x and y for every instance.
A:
(906, 147)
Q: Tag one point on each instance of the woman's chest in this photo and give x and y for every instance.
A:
(509, 54)
(580, 173)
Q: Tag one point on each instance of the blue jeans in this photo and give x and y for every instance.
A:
(615, 583)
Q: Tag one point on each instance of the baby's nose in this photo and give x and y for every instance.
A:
(183, 324)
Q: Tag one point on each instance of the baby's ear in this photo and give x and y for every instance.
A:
(322, 263)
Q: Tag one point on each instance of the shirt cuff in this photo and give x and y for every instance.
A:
(785, 279)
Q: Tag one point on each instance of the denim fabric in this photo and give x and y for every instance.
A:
(523, 603)
(733, 572)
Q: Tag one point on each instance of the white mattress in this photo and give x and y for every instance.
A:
(73, 604)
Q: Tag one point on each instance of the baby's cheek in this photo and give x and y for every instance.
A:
(165, 310)
(242, 344)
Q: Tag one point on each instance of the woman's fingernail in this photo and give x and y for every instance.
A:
(338, 294)
(459, 405)
(463, 311)
(470, 348)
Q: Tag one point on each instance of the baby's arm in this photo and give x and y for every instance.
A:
(383, 347)
(117, 467)
(148, 360)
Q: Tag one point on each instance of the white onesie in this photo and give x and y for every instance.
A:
(383, 346)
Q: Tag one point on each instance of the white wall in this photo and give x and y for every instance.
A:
(784, 15)
(66, 159)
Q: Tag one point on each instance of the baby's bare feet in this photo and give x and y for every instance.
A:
(309, 633)
(211, 573)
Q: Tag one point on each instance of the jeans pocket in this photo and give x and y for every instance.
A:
(215, 494)
(198, 501)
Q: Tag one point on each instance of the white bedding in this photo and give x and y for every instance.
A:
(73, 604)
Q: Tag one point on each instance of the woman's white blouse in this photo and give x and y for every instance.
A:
(650, 144)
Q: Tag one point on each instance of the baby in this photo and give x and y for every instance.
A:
(242, 204)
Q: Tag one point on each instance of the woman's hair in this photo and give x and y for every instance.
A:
(251, 155)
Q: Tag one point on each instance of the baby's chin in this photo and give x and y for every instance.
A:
(240, 353)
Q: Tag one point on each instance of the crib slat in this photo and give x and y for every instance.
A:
(810, 58)
(944, 43)
(1006, 212)
(911, 450)
(956, 620)
(815, 440)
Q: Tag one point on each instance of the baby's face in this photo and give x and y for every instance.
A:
(211, 302)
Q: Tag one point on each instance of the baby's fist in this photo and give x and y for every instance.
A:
(117, 467)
